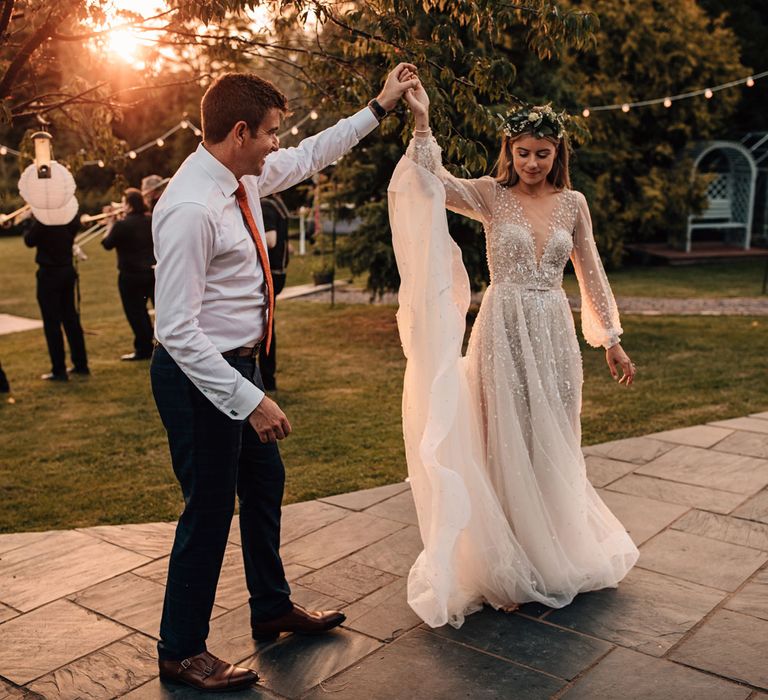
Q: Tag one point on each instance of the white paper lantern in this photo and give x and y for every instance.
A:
(52, 199)
(47, 193)
(57, 217)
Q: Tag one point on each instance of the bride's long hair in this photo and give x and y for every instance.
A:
(559, 176)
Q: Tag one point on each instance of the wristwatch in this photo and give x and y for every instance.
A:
(377, 109)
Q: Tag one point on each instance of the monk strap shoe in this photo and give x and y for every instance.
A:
(206, 672)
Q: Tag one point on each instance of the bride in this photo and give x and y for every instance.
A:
(493, 439)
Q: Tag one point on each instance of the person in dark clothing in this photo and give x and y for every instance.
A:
(276, 230)
(5, 387)
(132, 238)
(56, 280)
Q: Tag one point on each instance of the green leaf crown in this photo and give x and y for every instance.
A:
(540, 121)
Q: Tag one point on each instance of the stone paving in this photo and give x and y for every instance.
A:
(79, 609)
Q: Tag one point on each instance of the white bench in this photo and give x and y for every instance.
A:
(717, 215)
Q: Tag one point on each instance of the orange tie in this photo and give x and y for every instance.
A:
(250, 224)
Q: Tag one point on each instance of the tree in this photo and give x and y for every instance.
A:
(748, 19)
(465, 52)
(634, 169)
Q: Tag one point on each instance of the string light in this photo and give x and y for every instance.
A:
(160, 141)
(708, 93)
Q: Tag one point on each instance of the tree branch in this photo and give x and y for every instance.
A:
(5, 17)
(33, 43)
(98, 32)
(373, 37)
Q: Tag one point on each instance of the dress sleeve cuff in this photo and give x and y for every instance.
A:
(364, 122)
(246, 398)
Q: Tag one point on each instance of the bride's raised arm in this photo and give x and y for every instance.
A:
(471, 198)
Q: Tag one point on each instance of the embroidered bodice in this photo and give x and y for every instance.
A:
(513, 254)
(529, 247)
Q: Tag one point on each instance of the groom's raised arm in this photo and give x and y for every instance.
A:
(290, 166)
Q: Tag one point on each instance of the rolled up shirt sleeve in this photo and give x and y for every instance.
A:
(289, 166)
(184, 238)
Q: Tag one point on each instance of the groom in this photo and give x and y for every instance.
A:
(214, 303)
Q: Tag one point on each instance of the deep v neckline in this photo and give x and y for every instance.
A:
(529, 226)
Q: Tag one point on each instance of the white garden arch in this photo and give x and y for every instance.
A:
(730, 195)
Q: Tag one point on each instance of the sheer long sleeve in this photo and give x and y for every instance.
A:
(471, 198)
(599, 315)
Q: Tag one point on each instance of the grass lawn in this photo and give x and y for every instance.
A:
(94, 451)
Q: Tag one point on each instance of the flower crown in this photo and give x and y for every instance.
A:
(540, 121)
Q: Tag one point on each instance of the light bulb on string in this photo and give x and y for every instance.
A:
(294, 130)
(100, 163)
(160, 143)
(132, 155)
(3, 151)
(313, 115)
(750, 81)
(708, 93)
(585, 113)
(625, 107)
(184, 124)
(667, 102)
(196, 132)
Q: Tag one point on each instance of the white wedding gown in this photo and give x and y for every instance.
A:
(493, 439)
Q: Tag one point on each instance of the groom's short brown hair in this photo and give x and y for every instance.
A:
(235, 97)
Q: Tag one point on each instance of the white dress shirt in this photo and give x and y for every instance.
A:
(209, 289)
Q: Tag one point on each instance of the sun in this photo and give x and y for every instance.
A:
(126, 45)
(118, 40)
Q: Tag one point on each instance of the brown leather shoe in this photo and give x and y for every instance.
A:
(206, 672)
(297, 620)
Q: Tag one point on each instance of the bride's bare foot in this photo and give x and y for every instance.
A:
(509, 608)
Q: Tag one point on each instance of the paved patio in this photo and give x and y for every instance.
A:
(79, 609)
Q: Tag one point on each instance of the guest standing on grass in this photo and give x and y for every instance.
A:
(5, 387)
(276, 230)
(215, 303)
(56, 285)
(132, 238)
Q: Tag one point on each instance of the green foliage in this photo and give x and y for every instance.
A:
(636, 171)
(749, 21)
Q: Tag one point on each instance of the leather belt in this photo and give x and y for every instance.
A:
(253, 352)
